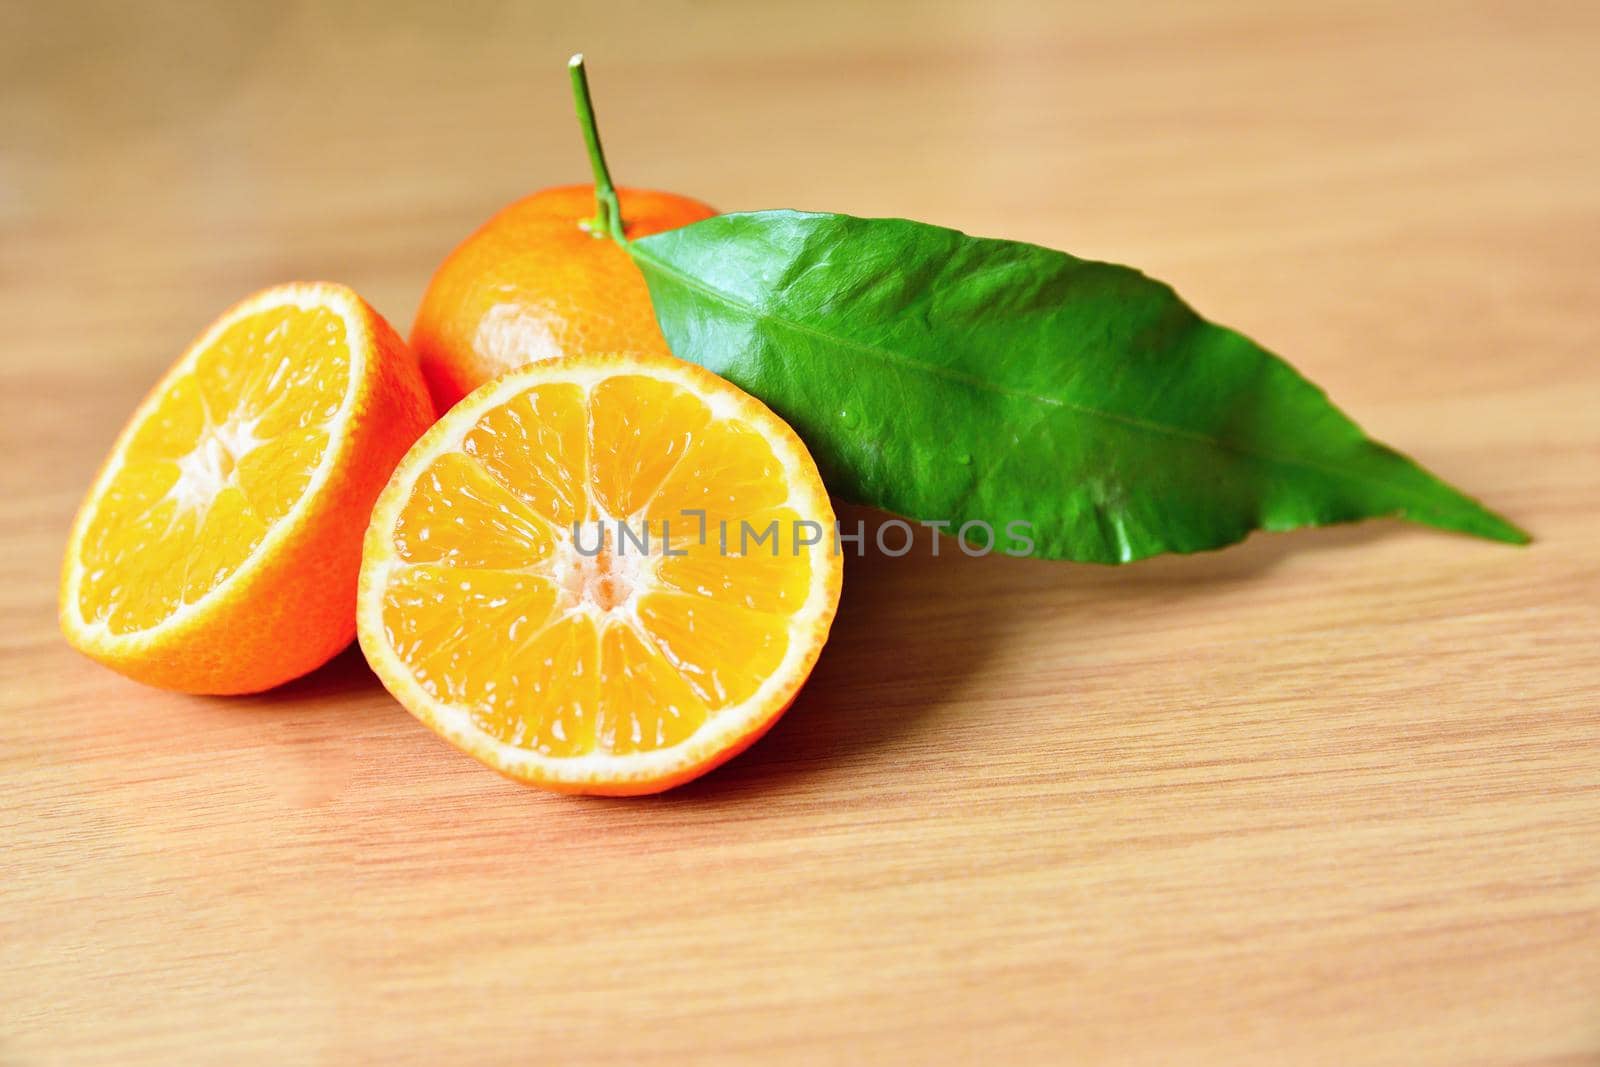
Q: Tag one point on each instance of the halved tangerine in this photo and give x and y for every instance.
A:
(602, 574)
(218, 549)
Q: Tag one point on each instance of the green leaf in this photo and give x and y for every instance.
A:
(947, 377)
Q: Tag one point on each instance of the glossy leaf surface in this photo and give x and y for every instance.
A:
(947, 377)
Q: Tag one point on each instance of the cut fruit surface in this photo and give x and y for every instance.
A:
(219, 547)
(603, 574)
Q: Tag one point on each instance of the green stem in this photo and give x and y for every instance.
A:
(608, 212)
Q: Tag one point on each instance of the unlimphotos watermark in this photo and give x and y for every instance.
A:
(775, 537)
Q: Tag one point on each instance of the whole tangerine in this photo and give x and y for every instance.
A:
(541, 281)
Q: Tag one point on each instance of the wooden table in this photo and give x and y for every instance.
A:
(1330, 797)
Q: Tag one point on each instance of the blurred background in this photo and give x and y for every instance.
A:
(180, 155)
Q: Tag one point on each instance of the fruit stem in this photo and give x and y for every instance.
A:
(608, 212)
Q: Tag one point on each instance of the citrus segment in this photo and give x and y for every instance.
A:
(536, 445)
(545, 690)
(460, 515)
(773, 576)
(729, 473)
(532, 590)
(434, 616)
(724, 653)
(645, 704)
(642, 426)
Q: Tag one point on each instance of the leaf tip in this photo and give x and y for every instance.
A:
(1481, 522)
(1509, 532)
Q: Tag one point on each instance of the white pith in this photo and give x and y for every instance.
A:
(209, 468)
(575, 576)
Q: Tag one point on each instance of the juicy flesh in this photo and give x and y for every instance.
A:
(227, 451)
(570, 642)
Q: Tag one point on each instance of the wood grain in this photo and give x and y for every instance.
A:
(1325, 798)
